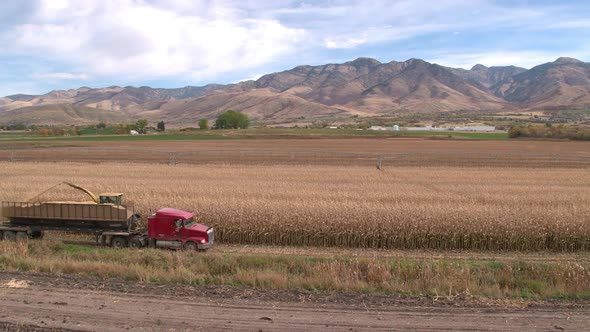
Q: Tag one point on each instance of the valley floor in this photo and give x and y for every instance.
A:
(66, 283)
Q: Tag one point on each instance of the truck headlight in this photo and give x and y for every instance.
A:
(203, 241)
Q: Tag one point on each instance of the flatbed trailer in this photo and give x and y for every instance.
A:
(112, 225)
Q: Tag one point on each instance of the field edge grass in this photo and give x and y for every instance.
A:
(514, 279)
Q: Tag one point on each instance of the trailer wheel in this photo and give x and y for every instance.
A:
(22, 236)
(190, 246)
(119, 242)
(9, 236)
(135, 243)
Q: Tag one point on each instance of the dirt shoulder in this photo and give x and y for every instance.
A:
(43, 302)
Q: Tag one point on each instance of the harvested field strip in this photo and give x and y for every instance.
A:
(298, 157)
(437, 278)
(444, 208)
(356, 145)
(357, 151)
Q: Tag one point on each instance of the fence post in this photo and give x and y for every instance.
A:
(172, 160)
(379, 161)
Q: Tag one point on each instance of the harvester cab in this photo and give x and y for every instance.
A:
(111, 198)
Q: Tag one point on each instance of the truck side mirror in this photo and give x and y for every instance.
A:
(178, 223)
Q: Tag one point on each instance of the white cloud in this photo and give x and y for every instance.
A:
(253, 77)
(350, 24)
(202, 41)
(525, 59)
(61, 76)
(136, 39)
(344, 42)
(571, 24)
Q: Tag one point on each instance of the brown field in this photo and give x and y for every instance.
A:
(355, 145)
(360, 152)
(345, 206)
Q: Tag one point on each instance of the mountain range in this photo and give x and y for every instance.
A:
(363, 87)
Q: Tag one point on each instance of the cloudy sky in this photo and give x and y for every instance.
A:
(62, 44)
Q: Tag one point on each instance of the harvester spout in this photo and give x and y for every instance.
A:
(86, 191)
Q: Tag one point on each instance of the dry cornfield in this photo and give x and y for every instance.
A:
(344, 206)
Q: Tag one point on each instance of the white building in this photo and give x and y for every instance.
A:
(427, 128)
(394, 128)
(475, 128)
(465, 128)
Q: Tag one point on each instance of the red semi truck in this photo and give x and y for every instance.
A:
(171, 228)
(112, 223)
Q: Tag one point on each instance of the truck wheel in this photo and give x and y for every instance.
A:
(135, 243)
(22, 236)
(119, 242)
(37, 235)
(9, 236)
(190, 246)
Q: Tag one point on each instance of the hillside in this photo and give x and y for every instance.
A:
(487, 77)
(363, 87)
(60, 114)
(563, 83)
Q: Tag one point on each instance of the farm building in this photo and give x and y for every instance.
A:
(475, 128)
(464, 128)
(384, 128)
(427, 128)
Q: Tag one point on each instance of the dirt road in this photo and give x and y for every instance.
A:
(42, 302)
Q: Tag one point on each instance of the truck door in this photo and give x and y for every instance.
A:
(165, 229)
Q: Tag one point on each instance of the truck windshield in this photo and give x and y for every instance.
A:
(188, 222)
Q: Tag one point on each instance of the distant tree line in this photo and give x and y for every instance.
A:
(14, 126)
(550, 131)
(227, 120)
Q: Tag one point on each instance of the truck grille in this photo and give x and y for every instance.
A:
(211, 235)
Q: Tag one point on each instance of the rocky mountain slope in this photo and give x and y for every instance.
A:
(363, 87)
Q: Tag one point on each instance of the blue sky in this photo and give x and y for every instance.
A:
(61, 44)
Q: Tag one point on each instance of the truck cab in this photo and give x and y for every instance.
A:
(178, 229)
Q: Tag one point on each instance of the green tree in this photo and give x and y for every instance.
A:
(140, 125)
(101, 125)
(232, 120)
(204, 124)
(161, 126)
